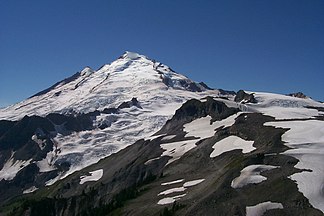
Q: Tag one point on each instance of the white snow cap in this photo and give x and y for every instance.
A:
(131, 55)
(86, 71)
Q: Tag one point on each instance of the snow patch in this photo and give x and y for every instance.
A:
(151, 160)
(177, 149)
(289, 112)
(131, 55)
(306, 140)
(154, 137)
(231, 143)
(94, 176)
(203, 128)
(251, 174)
(284, 107)
(200, 128)
(53, 180)
(30, 190)
(172, 190)
(193, 182)
(46, 164)
(183, 188)
(168, 137)
(41, 143)
(169, 200)
(261, 208)
(12, 167)
(172, 182)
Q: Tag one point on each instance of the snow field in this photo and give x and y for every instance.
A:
(169, 200)
(251, 175)
(177, 149)
(199, 128)
(306, 138)
(94, 176)
(261, 208)
(285, 107)
(203, 128)
(231, 143)
(12, 167)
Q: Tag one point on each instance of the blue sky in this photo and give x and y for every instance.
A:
(260, 45)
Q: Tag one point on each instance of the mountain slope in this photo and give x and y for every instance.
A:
(214, 156)
(86, 117)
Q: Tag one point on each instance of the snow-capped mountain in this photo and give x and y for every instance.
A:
(130, 76)
(190, 150)
(91, 115)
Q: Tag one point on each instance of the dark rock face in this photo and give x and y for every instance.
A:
(194, 109)
(16, 142)
(26, 128)
(298, 95)
(129, 104)
(205, 86)
(243, 97)
(5, 126)
(226, 92)
(67, 80)
(186, 84)
(110, 111)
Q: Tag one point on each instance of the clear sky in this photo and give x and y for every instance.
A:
(260, 45)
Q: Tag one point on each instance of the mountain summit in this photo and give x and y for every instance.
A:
(133, 55)
(131, 75)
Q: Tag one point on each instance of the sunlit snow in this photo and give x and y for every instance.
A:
(199, 128)
(131, 76)
(180, 189)
(284, 107)
(169, 200)
(176, 149)
(30, 190)
(184, 187)
(261, 208)
(12, 167)
(193, 182)
(173, 182)
(203, 128)
(306, 138)
(168, 137)
(172, 190)
(251, 174)
(231, 143)
(94, 176)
